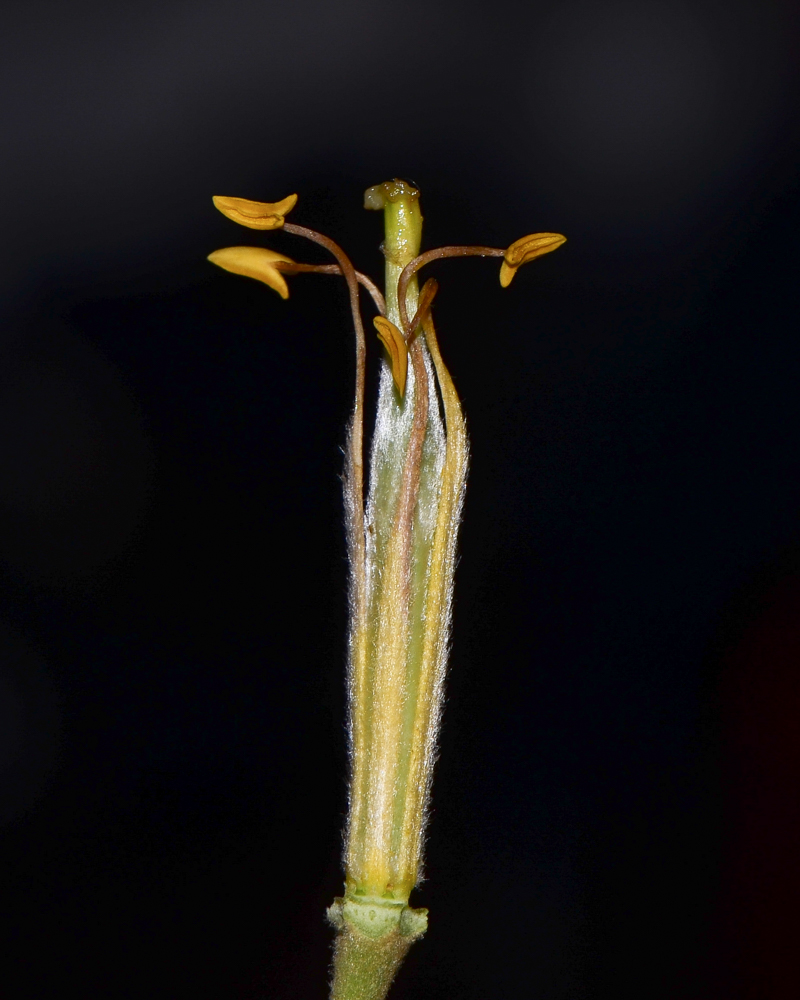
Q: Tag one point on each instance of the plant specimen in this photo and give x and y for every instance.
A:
(401, 545)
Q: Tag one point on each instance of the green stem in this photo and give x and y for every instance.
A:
(371, 943)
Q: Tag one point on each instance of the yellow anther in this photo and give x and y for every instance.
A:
(254, 262)
(395, 344)
(256, 214)
(525, 249)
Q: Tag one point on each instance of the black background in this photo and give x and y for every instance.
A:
(172, 613)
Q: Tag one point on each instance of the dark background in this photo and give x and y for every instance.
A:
(615, 811)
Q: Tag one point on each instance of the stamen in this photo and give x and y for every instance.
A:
(395, 344)
(411, 269)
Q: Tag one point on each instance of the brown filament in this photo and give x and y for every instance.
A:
(411, 269)
(363, 280)
(354, 478)
(426, 297)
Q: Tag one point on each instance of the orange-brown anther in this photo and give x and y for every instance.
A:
(255, 214)
(254, 262)
(525, 249)
(395, 344)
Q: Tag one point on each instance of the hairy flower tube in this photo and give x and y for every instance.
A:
(401, 545)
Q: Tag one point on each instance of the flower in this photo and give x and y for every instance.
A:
(402, 554)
